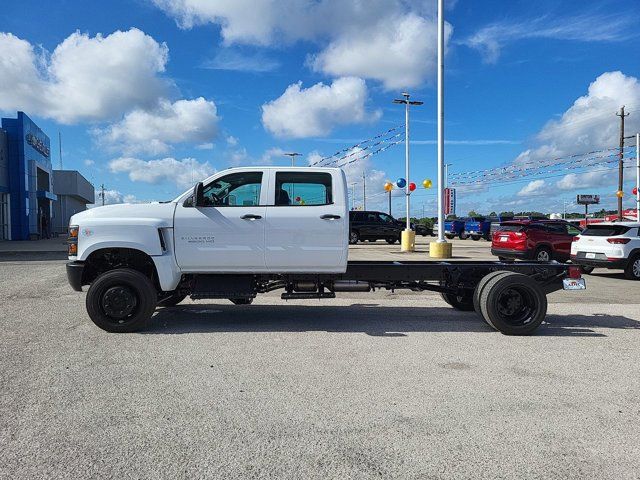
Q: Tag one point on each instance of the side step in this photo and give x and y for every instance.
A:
(307, 295)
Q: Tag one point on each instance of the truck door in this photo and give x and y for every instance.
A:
(227, 234)
(307, 223)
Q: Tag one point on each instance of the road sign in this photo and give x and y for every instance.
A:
(588, 199)
(449, 201)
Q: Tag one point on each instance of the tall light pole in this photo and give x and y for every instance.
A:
(638, 177)
(440, 249)
(364, 191)
(407, 192)
(293, 156)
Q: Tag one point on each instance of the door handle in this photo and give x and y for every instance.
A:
(330, 216)
(251, 216)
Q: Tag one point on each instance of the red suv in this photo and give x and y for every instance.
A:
(540, 240)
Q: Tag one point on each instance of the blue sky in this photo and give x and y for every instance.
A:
(152, 94)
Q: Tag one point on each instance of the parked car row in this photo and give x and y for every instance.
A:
(607, 245)
(372, 226)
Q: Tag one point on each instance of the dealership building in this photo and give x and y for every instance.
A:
(30, 207)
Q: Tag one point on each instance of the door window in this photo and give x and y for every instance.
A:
(557, 229)
(573, 231)
(240, 189)
(386, 218)
(303, 188)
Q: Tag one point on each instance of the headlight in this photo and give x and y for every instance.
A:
(72, 240)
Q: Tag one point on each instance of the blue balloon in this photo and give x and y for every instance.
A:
(401, 182)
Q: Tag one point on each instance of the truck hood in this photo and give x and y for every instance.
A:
(158, 214)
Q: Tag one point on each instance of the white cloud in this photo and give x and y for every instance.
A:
(590, 123)
(88, 162)
(316, 110)
(596, 179)
(586, 27)
(393, 41)
(112, 197)
(353, 170)
(399, 52)
(85, 78)
(534, 188)
(152, 131)
(183, 173)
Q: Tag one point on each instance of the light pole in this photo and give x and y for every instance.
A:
(293, 156)
(638, 177)
(407, 241)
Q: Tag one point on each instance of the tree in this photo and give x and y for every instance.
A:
(473, 213)
(493, 214)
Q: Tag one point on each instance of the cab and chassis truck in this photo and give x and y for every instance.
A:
(247, 231)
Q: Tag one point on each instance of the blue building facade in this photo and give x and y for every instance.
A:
(29, 193)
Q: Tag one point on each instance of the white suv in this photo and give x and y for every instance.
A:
(609, 245)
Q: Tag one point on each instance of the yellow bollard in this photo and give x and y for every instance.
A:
(440, 250)
(408, 241)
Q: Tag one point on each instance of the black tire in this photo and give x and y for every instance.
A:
(513, 303)
(543, 254)
(475, 238)
(449, 236)
(391, 240)
(505, 259)
(632, 270)
(464, 303)
(121, 300)
(241, 301)
(353, 238)
(171, 300)
(587, 270)
(463, 235)
(478, 292)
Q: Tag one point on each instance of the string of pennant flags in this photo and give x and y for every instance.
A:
(360, 146)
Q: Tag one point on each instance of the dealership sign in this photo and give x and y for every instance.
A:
(37, 144)
(588, 199)
(449, 201)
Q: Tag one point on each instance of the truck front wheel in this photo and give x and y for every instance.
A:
(121, 300)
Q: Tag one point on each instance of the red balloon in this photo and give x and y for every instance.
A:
(412, 187)
(297, 199)
(635, 190)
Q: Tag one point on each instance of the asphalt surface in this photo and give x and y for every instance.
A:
(374, 385)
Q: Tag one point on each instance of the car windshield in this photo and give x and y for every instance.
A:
(605, 230)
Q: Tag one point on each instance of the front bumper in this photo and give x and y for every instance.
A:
(617, 263)
(519, 254)
(74, 275)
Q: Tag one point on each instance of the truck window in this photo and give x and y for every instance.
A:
(240, 189)
(385, 218)
(303, 188)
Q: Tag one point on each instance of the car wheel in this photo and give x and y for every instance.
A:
(121, 300)
(171, 300)
(241, 301)
(632, 270)
(463, 235)
(353, 238)
(449, 236)
(391, 240)
(587, 270)
(543, 254)
(464, 303)
(475, 238)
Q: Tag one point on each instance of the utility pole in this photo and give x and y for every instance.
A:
(293, 156)
(408, 244)
(102, 193)
(389, 202)
(622, 115)
(60, 148)
(364, 191)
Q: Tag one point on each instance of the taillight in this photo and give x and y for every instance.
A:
(618, 241)
(575, 239)
(575, 271)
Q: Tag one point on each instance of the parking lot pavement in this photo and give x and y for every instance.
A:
(385, 385)
(381, 250)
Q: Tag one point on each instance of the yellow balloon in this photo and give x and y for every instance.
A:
(427, 183)
(619, 194)
(388, 187)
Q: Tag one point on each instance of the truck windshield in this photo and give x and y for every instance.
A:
(605, 230)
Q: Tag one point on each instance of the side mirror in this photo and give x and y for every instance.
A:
(198, 195)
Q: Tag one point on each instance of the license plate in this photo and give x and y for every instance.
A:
(574, 284)
(590, 255)
(504, 239)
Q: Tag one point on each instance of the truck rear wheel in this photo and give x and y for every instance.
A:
(478, 292)
(463, 303)
(513, 303)
(121, 300)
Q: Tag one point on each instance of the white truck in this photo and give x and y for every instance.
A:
(246, 231)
